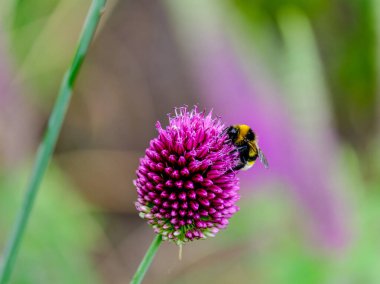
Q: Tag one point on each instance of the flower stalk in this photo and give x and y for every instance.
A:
(147, 260)
(186, 183)
(46, 147)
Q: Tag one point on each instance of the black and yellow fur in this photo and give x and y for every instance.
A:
(245, 140)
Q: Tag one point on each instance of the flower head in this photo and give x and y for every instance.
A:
(186, 185)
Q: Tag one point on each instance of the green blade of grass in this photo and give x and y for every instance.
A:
(48, 143)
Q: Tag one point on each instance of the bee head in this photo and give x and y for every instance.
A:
(232, 133)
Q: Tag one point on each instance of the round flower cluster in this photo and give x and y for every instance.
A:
(186, 185)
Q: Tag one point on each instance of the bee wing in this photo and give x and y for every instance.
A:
(262, 159)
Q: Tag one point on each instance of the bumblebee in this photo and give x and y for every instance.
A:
(245, 140)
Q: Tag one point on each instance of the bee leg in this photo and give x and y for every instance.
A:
(243, 162)
(224, 131)
(233, 151)
(238, 149)
(239, 167)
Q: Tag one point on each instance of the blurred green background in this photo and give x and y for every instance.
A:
(303, 74)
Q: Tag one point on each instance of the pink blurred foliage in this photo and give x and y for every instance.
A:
(16, 117)
(302, 163)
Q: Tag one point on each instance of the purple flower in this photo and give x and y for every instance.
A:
(185, 183)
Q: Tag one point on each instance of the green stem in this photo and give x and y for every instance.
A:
(147, 260)
(46, 147)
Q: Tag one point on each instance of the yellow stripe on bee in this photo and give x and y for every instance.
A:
(243, 130)
(252, 151)
(248, 165)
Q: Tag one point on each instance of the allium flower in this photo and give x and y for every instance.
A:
(186, 185)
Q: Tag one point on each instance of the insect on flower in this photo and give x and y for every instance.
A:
(186, 183)
(245, 140)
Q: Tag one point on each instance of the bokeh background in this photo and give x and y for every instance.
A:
(304, 74)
